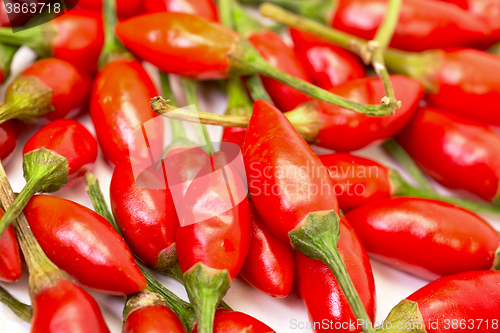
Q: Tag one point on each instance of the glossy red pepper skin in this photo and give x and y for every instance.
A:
(346, 130)
(9, 133)
(427, 238)
(66, 307)
(70, 139)
(85, 245)
(221, 241)
(422, 25)
(203, 8)
(272, 147)
(227, 321)
(10, 258)
(269, 266)
(119, 105)
(321, 292)
(272, 48)
(457, 152)
(461, 297)
(151, 319)
(179, 43)
(357, 180)
(145, 214)
(234, 135)
(327, 64)
(465, 81)
(79, 38)
(124, 8)
(70, 86)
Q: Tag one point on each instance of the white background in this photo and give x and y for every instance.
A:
(392, 285)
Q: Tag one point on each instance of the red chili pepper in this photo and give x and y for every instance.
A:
(449, 239)
(227, 321)
(76, 37)
(65, 307)
(50, 88)
(234, 135)
(7, 53)
(12, 19)
(328, 65)
(457, 152)
(321, 292)
(463, 302)
(212, 250)
(85, 245)
(125, 8)
(9, 133)
(147, 312)
(10, 258)
(150, 233)
(269, 266)
(203, 8)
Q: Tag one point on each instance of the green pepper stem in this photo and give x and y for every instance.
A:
(238, 102)
(400, 155)
(39, 38)
(113, 49)
(495, 49)
(317, 237)
(256, 88)
(404, 312)
(23, 311)
(7, 53)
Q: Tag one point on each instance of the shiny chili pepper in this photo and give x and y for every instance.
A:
(449, 239)
(76, 37)
(328, 65)
(125, 8)
(67, 231)
(457, 152)
(203, 8)
(7, 53)
(50, 88)
(227, 321)
(321, 292)
(469, 299)
(191, 46)
(148, 312)
(9, 133)
(58, 154)
(212, 249)
(10, 258)
(269, 266)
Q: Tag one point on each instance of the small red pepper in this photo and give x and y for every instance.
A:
(76, 37)
(9, 133)
(321, 292)
(10, 258)
(427, 238)
(269, 266)
(50, 88)
(7, 53)
(463, 302)
(328, 65)
(227, 321)
(85, 245)
(457, 152)
(125, 8)
(203, 8)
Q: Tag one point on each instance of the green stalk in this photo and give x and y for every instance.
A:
(40, 38)
(7, 53)
(256, 89)
(495, 49)
(23, 311)
(400, 155)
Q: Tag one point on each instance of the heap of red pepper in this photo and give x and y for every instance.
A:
(419, 78)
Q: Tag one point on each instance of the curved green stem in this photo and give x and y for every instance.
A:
(317, 237)
(256, 88)
(408, 163)
(113, 48)
(23, 311)
(39, 38)
(7, 53)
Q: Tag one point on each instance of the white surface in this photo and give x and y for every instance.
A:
(392, 285)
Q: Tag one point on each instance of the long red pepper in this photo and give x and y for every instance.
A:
(10, 258)
(326, 303)
(50, 88)
(328, 125)
(463, 302)
(459, 153)
(9, 133)
(227, 321)
(204, 8)
(328, 65)
(76, 37)
(7, 53)
(58, 154)
(213, 51)
(269, 265)
(427, 238)
(124, 8)
(59, 305)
